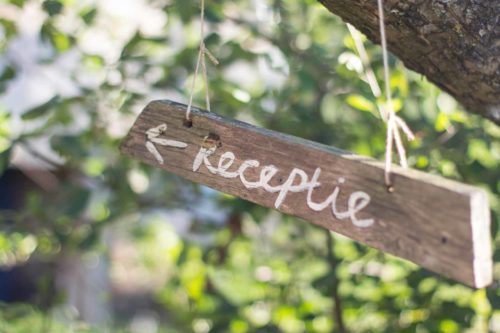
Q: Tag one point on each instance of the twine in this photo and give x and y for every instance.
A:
(201, 62)
(394, 123)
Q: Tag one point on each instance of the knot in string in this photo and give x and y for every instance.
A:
(394, 123)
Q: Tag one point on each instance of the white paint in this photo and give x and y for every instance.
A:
(152, 149)
(297, 181)
(153, 134)
(202, 155)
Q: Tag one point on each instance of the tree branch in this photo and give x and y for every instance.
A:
(455, 44)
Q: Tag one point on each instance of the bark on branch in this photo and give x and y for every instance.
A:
(454, 43)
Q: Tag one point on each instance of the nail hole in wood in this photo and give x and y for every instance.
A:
(444, 240)
(213, 136)
(188, 123)
(212, 140)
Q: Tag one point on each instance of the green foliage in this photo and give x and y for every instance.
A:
(293, 68)
(4, 159)
(41, 110)
(53, 7)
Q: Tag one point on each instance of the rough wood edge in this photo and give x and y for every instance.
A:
(481, 238)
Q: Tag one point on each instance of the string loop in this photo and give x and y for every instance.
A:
(394, 123)
(201, 62)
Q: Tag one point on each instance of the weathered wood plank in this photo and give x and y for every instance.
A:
(439, 224)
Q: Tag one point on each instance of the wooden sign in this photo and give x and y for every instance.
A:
(439, 224)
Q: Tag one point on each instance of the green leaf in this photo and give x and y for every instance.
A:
(68, 146)
(77, 200)
(5, 159)
(53, 7)
(19, 3)
(41, 110)
(361, 103)
(442, 122)
(8, 74)
(89, 16)
(479, 150)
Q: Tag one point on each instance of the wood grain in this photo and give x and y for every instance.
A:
(437, 223)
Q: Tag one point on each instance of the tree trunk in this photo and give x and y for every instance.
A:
(454, 43)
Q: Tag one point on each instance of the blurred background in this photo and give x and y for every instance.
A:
(91, 241)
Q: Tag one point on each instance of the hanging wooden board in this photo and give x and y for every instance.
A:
(439, 224)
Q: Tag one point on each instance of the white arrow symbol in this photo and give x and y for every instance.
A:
(153, 134)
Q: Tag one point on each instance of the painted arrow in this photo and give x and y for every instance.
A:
(153, 137)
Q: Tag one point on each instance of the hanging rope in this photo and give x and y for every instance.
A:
(394, 123)
(201, 62)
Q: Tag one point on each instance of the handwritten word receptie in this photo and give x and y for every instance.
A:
(357, 200)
